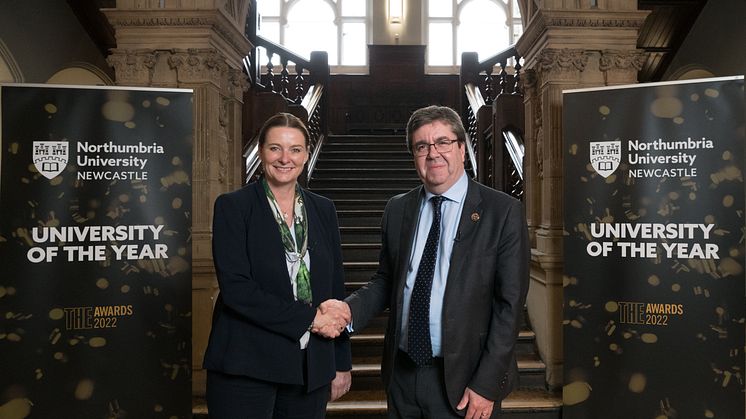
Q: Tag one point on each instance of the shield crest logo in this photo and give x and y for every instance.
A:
(50, 157)
(605, 156)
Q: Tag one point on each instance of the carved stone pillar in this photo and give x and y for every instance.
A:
(199, 46)
(564, 48)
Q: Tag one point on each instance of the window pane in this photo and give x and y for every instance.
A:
(268, 7)
(516, 9)
(270, 31)
(354, 47)
(440, 8)
(353, 7)
(312, 17)
(440, 44)
(517, 32)
(482, 29)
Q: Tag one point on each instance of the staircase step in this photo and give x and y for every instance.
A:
(360, 252)
(357, 145)
(364, 182)
(357, 172)
(358, 274)
(521, 403)
(367, 203)
(381, 193)
(352, 286)
(526, 343)
(528, 365)
(362, 218)
(341, 163)
(378, 139)
(369, 343)
(356, 234)
(398, 154)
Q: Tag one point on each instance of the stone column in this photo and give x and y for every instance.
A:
(566, 45)
(198, 45)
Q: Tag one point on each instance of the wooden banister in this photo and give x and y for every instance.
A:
(491, 106)
(478, 122)
(311, 107)
(299, 82)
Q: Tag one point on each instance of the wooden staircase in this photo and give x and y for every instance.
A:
(360, 173)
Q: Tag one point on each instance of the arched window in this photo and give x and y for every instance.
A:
(455, 26)
(339, 27)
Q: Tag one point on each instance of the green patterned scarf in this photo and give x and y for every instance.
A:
(294, 256)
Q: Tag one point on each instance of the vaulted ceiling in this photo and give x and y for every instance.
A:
(660, 37)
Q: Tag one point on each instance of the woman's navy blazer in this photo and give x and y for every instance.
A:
(257, 324)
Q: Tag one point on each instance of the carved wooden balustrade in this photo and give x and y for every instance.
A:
(300, 83)
(492, 109)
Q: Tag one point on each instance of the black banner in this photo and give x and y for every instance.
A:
(95, 218)
(654, 306)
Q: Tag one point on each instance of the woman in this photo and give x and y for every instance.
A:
(277, 256)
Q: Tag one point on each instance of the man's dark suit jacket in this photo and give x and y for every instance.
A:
(257, 324)
(484, 296)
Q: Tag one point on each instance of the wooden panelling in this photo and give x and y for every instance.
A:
(382, 101)
(663, 33)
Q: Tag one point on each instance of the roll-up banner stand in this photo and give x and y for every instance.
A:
(95, 252)
(654, 251)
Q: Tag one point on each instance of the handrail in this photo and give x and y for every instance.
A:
(474, 96)
(312, 98)
(477, 116)
(311, 103)
(472, 156)
(251, 157)
(317, 68)
(514, 145)
(480, 73)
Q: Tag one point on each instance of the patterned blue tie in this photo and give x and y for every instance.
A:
(418, 332)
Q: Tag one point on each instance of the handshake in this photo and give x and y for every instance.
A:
(332, 317)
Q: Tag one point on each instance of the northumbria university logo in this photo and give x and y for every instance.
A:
(605, 156)
(50, 157)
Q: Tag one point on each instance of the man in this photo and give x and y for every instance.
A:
(453, 271)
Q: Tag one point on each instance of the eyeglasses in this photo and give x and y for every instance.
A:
(442, 145)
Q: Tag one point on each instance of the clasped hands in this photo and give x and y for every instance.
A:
(332, 317)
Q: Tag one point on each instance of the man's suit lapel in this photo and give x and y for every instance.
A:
(410, 208)
(468, 223)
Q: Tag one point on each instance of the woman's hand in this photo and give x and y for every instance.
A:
(340, 385)
(331, 318)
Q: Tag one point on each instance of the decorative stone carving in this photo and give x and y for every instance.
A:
(530, 82)
(133, 68)
(236, 83)
(612, 59)
(224, 118)
(198, 65)
(165, 28)
(593, 22)
(560, 61)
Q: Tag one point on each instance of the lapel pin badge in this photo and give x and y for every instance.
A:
(475, 217)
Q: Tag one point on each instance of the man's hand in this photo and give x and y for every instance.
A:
(331, 318)
(340, 385)
(479, 407)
